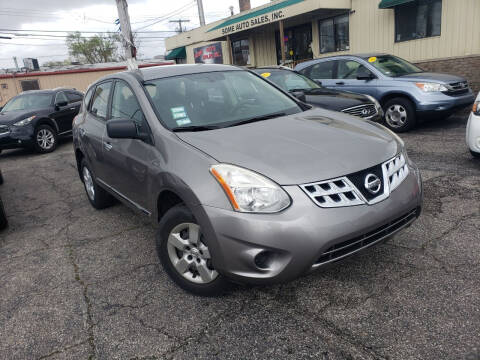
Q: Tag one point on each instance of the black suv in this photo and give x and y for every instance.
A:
(36, 118)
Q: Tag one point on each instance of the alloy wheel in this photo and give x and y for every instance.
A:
(45, 139)
(88, 181)
(396, 116)
(189, 254)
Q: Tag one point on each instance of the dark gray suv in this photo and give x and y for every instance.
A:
(244, 181)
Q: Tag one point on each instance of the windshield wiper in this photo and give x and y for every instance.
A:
(194, 128)
(258, 118)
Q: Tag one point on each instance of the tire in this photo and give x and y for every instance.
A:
(400, 115)
(475, 154)
(45, 139)
(98, 197)
(191, 251)
(3, 216)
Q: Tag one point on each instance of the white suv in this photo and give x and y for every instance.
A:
(473, 129)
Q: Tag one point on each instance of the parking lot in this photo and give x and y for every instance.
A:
(79, 283)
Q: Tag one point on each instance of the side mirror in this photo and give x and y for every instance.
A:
(365, 75)
(122, 129)
(61, 103)
(300, 95)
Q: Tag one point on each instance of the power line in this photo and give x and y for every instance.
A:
(169, 15)
(86, 31)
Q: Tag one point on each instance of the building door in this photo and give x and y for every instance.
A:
(298, 43)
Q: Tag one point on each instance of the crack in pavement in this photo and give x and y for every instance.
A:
(62, 350)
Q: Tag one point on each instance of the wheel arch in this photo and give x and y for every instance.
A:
(173, 191)
(392, 95)
(79, 157)
(47, 121)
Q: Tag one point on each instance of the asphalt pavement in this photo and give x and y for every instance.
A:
(76, 283)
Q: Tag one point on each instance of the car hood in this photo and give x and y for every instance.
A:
(11, 117)
(310, 146)
(432, 77)
(334, 100)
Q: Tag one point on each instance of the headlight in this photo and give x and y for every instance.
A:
(373, 100)
(431, 87)
(249, 191)
(476, 108)
(25, 121)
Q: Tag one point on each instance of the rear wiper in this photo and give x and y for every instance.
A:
(258, 118)
(194, 128)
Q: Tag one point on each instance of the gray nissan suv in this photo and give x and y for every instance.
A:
(243, 181)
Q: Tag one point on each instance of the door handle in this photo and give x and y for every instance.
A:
(73, 108)
(107, 146)
(340, 83)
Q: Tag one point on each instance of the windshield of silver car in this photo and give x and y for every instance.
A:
(217, 99)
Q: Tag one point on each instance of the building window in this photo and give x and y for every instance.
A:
(418, 19)
(241, 52)
(298, 43)
(334, 34)
(29, 85)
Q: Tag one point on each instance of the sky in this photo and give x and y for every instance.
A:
(95, 16)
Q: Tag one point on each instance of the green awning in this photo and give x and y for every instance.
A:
(386, 4)
(178, 53)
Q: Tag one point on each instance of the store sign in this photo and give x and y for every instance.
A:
(266, 15)
(210, 54)
(259, 20)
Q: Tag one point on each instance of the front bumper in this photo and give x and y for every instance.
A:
(296, 239)
(441, 104)
(16, 137)
(473, 133)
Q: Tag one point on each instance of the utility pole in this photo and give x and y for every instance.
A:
(16, 63)
(126, 32)
(179, 21)
(201, 14)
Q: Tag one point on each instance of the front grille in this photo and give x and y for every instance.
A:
(333, 193)
(363, 111)
(457, 88)
(396, 170)
(351, 190)
(4, 129)
(358, 179)
(349, 247)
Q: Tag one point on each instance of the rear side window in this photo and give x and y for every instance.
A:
(73, 97)
(99, 105)
(323, 70)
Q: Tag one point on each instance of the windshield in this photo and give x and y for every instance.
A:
(216, 99)
(288, 80)
(393, 66)
(28, 102)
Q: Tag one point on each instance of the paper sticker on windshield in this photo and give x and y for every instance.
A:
(372, 59)
(265, 74)
(179, 114)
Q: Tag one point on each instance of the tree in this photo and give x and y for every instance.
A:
(96, 49)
